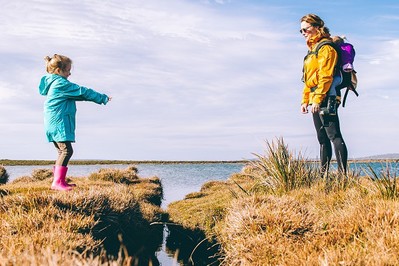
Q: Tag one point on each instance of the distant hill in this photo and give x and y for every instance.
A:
(388, 156)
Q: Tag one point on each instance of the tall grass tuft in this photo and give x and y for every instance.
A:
(280, 170)
(42, 174)
(39, 174)
(126, 176)
(3, 175)
(338, 181)
(386, 182)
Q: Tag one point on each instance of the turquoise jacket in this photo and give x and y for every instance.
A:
(60, 106)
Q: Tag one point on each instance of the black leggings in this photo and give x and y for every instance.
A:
(328, 130)
(65, 152)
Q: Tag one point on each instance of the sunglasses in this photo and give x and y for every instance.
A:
(304, 30)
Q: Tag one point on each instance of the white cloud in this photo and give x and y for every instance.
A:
(189, 79)
(6, 91)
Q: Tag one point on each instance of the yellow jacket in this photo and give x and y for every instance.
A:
(318, 73)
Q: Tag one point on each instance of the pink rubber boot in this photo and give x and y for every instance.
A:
(59, 178)
(64, 180)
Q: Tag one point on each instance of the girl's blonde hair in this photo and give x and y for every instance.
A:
(57, 63)
(318, 23)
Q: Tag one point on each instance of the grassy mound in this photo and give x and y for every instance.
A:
(282, 211)
(105, 218)
(3, 175)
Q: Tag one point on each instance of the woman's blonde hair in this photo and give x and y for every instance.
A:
(57, 63)
(338, 39)
(318, 23)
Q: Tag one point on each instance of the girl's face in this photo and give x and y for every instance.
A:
(307, 30)
(66, 73)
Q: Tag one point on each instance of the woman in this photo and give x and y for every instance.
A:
(318, 78)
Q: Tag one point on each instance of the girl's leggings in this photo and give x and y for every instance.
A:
(327, 135)
(65, 152)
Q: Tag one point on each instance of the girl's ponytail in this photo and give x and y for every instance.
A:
(57, 62)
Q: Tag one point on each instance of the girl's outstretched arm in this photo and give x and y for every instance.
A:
(80, 93)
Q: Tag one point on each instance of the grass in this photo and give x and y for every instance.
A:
(281, 211)
(3, 175)
(281, 170)
(105, 220)
(204, 209)
(385, 182)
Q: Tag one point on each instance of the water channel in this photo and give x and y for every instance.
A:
(178, 180)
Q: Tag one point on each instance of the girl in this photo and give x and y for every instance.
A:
(318, 79)
(60, 112)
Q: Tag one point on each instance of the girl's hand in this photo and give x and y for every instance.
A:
(109, 98)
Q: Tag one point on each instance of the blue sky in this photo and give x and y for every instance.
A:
(192, 80)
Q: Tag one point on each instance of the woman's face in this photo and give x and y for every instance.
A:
(307, 30)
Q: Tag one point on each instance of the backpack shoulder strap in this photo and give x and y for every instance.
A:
(321, 44)
(334, 46)
(316, 53)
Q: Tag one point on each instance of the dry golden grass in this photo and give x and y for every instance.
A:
(277, 211)
(309, 227)
(44, 227)
(3, 175)
(341, 220)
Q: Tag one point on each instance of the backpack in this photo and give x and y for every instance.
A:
(346, 55)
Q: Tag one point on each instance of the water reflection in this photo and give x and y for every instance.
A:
(191, 247)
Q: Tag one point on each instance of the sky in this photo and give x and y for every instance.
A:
(193, 80)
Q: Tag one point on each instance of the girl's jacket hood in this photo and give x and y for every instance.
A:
(46, 82)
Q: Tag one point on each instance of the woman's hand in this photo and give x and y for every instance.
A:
(315, 107)
(304, 108)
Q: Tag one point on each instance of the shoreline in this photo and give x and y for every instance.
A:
(9, 162)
